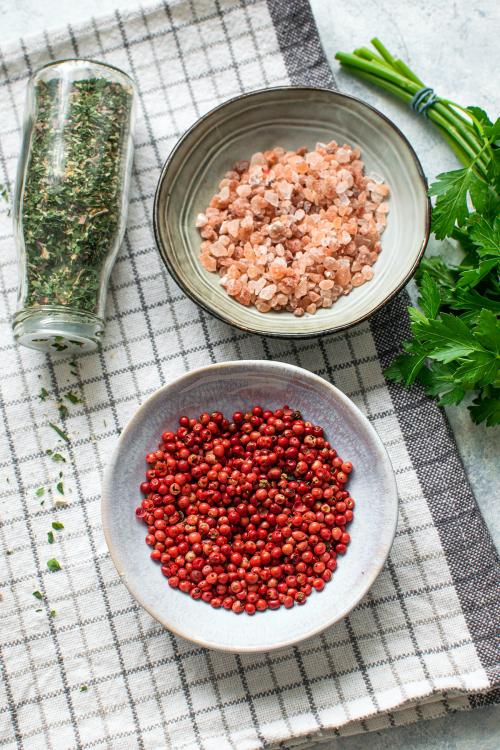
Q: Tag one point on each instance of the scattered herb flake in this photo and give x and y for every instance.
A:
(50, 537)
(40, 491)
(83, 688)
(4, 193)
(9, 552)
(43, 395)
(52, 613)
(38, 610)
(60, 488)
(57, 525)
(59, 432)
(63, 410)
(73, 398)
(38, 595)
(57, 457)
(53, 565)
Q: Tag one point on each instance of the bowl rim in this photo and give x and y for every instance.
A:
(225, 317)
(368, 579)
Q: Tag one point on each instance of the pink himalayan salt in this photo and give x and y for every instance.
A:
(294, 230)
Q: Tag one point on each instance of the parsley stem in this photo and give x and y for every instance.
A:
(396, 77)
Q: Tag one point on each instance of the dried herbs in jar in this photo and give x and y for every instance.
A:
(71, 200)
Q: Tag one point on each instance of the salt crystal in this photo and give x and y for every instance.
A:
(201, 221)
(271, 197)
(233, 227)
(302, 255)
(285, 189)
(218, 250)
(342, 156)
(267, 292)
(358, 279)
(244, 191)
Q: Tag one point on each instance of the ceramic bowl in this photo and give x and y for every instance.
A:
(228, 387)
(289, 117)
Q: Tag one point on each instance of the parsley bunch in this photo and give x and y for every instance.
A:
(455, 349)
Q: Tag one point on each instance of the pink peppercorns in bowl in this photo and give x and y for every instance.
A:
(231, 387)
(270, 210)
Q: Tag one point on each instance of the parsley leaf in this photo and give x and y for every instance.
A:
(430, 299)
(486, 408)
(451, 208)
(480, 115)
(53, 565)
(447, 338)
(40, 491)
(57, 525)
(50, 537)
(472, 277)
(488, 331)
(405, 368)
(485, 234)
(38, 595)
(43, 395)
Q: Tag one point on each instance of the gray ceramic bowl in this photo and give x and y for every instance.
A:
(289, 117)
(228, 387)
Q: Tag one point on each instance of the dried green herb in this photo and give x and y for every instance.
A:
(50, 537)
(59, 432)
(43, 394)
(38, 595)
(63, 410)
(57, 457)
(53, 565)
(4, 196)
(73, 398)
(72, 189)
(57, 525)
(40, 491)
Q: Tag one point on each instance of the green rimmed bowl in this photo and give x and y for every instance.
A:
(290, 117)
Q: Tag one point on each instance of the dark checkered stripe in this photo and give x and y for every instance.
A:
(108, 627)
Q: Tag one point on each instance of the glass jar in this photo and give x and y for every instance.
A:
(71, 201)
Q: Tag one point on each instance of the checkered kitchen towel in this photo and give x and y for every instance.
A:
(100, 673)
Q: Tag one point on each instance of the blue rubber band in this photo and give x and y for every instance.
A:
(422, 100)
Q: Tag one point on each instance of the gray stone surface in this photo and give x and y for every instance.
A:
(453, 45)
